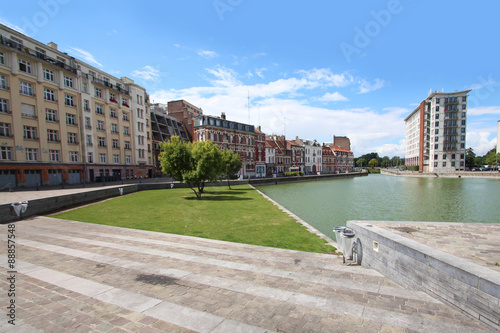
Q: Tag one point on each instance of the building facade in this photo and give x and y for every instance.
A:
(436, 133)
(237, 137)
(63, 121)
(312, 156)
(186, 113)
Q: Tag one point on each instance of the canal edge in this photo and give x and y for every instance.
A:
(309, 227)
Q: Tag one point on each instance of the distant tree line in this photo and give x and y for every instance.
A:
(474, 161)
(372, 160)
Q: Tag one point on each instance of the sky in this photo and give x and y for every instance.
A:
(314, 70)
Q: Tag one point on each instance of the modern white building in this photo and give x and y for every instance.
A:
(436, 133)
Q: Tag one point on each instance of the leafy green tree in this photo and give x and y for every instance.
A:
(373, 163)
(478, 161)
(232, 164)
(192, 163)
(491, 158)
(395, 161)
(386, 161)
(360, 162)
(469, 158)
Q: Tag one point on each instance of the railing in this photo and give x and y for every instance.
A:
(27, 115)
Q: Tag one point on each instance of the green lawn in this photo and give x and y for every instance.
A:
(239, 215)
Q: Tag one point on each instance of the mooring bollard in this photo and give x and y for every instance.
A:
(20, 207)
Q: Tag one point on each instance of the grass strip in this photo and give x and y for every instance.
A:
(239, 215)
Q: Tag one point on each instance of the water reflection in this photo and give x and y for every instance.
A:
(326, 204)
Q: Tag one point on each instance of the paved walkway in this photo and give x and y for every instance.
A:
(475, 242)
(79, 277)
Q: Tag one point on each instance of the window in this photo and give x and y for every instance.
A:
(2, 58)
(126, 130)
(126, 145)
(462, 145)
(54, 155)
(462, 130)
(99, 109)
(444, 156)
(30, 133)
(436, 124)
(453, 156)
(25, 66)
(436, 146)
(464, 106)
(70, 119)
(444, 164)
(116, 159)
(112, 98)
(125, 102)
(84, 87)
(98, 92)
(463, 122)
(5, 129)
(90, 157)
(51, 115)
(462, 137)
(435, 164)
(113, 113)
(115, 143)
(69, 100)
(464, 99)
(435, 156)
(4, 106)
(438, 100)
(87, 123)
(437, 116)
(52, 135)
(114, 128)
(68, 82)
(28, 111)
(89, 140)
(436, 131)
(463, 114)
(101, 141)
(3, 82)
(437, 108)
(48, 74)
(26, 88)
(73, 156)
(86, 104)
(102, 158)
(31, 154)
(125, 116)
(100, 125)
(49, 95)
(5, 153)
(128, 159)
(72, 138)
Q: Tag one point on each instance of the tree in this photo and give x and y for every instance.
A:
(192, 163)
(478, 161)
(232, 164)
(373, 163)
(469, 158)
(386, 161)
(395, 161)
(360, 162)
(491, 158)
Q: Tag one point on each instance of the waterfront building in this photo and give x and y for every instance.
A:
(63, 121)
(312, 156)
(186, 113)
(296, 150)
(436, 133)
(342, 142)
(270, 158)
(260, 153)
(237, 137)
(337, 159)
(163, 127)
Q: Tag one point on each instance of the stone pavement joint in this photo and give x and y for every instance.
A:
(81, 277)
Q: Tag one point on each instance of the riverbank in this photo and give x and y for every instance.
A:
(295, 179)
(458, 174)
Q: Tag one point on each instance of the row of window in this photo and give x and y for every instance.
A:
(451, 100)
(450, 146)
(453, 164)
(450, 115)
(32, 154)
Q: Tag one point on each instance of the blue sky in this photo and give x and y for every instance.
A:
(311, 70)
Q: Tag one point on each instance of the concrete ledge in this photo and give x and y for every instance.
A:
(473, 289)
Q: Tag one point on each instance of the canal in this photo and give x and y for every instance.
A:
(330, 203)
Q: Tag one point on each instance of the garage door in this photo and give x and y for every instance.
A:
(33, 177)
(7, 177)
(74, 176)
(55, 177)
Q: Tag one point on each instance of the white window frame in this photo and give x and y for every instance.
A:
(114, 128)
(5, 129)
(49, 95)
(101, 126)
(103, 159)
(90, 157)
(27, 66)
(69, 100)
(4, 105)
(31, 154)
(126, 145)
(30, 132)
(72, 138)
(116, 159)
(48, 74)
(52, 135)
(99, 109)
(128, 159)
(54, 155)
(101, 141)
(26, 88)
(3, 83)
(126, 130)
(115, 143)
(51, 115)
(2, 58)
(73, 156)
(68, 81)
(6, 153)
(98, 92)
(70, 119)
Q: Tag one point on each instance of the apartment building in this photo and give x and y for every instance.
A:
(163, 127)
(312, 156)
(436, 133)
(63, 121)
(238, 137)
(186, 113)
(260, 153)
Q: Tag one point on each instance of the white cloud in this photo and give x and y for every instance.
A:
(333, 97)
(480, 141)
(147, 73)
(484, 110)
(224, 77)
(260, 72)
(207, 54)
(325, 77)
(365, 86)
(84, 55)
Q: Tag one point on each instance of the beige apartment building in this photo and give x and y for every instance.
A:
(63, 121)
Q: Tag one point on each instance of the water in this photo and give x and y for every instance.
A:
(330, 203)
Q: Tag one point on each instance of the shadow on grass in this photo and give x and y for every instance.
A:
(229, 192)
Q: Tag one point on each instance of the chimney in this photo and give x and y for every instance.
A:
(223, 115)
(52, 45)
